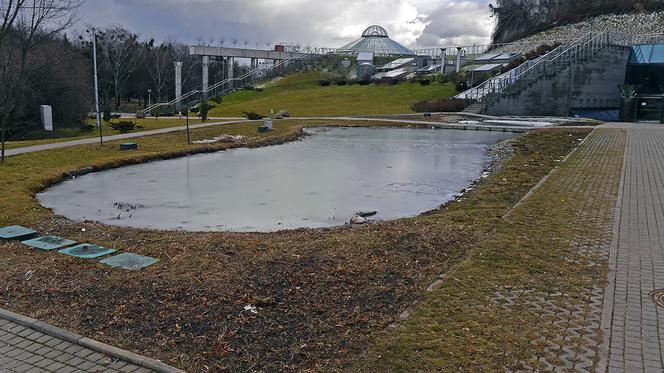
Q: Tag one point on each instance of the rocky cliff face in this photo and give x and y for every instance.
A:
(519, 18)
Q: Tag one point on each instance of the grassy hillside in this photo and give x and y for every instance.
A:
(301, 95)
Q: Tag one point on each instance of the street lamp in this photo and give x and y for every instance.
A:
(93, 32)
(442, 61)
(149, 98)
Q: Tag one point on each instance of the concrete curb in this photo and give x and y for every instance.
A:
(539, 184)
(91, 344)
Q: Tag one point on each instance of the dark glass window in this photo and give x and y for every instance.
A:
(646, 68)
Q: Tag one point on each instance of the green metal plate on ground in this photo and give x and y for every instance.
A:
(48, 243)
(87, 251)
(17, 232)
(130, 261)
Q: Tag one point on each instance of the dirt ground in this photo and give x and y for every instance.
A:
(320, 295)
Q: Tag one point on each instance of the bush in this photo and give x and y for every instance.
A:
(251, 115)
(85, 128)
(204, 111)
(342, 82)
(324, 83)
(259, 89)
(124, 126)
(443, 105)
(217, 99)
(106, 116)
(540, 51)
(195, 109)
(425, 82)
(116, 116)
(364, 82)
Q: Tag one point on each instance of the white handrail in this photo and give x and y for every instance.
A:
(220, 84)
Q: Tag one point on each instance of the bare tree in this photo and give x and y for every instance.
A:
(160, 68)
(25, 25)
(190, 64)
(120, 55)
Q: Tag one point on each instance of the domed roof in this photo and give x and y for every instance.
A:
(376, 40)
(375, 31)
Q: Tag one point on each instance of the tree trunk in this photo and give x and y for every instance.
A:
(2, 156)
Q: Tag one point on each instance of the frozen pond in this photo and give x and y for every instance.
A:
(318, 182)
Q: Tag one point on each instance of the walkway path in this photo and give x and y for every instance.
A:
(633, 325)
(27, 345)
(126, 136)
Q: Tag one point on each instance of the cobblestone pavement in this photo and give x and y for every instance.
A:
(26, 350)
(614, 325)
(570, 315)
(632, 324)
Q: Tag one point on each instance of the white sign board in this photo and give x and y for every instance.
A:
(47, 117)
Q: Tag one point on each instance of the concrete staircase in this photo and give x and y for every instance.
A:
(581, 75)
(230, 85)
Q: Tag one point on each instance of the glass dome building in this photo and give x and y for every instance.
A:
(375, 39)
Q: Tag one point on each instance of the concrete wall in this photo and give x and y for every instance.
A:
(588, 85)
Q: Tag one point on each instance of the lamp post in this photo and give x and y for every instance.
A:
(93, 32)
(458, 66)
(442, 61)
(149, 99)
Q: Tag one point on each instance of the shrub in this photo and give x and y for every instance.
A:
(259, 89)
(217, 99)
(342, 82)
(106, 116)
(195, 109)
(540, 51)
(84, 127)
(324, 83)
(184, 112)
(251, 115)
(364, 82)
(204, 111)
(124, 126)
(425, 82)
(116, 116)
(443, 105)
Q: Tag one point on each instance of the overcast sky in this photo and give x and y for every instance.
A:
(326, 23)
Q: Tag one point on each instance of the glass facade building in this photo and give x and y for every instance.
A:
(376, 39)
(646, 68)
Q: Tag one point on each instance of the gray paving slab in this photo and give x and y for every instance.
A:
(22, 353)
(632, 325)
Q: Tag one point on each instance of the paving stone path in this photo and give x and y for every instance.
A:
(569, 316)
(615, 326)
(633, 325)
(24, 349)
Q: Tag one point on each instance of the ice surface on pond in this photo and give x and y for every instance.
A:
(320, 181)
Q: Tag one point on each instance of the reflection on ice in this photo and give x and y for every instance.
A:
(318, 182)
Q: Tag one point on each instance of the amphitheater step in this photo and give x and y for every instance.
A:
(475, 108)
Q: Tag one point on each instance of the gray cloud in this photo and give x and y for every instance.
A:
(329, 23)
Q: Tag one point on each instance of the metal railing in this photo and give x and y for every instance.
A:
(222, 87)
(515, 81)
(628, 40)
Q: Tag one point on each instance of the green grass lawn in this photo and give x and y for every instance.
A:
(76, 134)
(301, 95)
